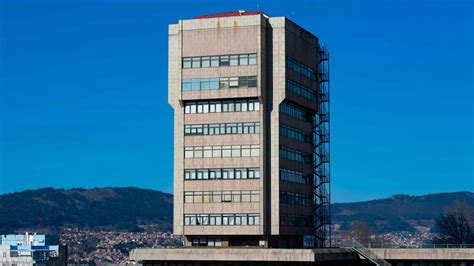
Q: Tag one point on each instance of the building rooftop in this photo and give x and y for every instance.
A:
(231, 14)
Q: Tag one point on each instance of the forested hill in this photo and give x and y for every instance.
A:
(399, 212)
(131, 208)
(107, 208)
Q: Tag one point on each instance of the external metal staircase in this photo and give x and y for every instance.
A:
(364, 252)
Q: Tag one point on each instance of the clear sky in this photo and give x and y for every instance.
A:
(83, 90)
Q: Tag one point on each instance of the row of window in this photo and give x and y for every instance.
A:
(294, 176)
(222, 151)
(222, 129)
(300, 68)
(295, 198)
(294, 133)
(222, 219)
(294, 155)
(295, 112)
(301, 90)
(224, 173)
(221, 196)
(203, 107)
(206, 242)
(218, 83)
(296, 220)
(222, 60)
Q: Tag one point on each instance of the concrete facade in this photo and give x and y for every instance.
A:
(245, 254)
(273, 41)
(426, 254)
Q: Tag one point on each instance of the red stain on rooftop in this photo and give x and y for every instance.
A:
(231, 14)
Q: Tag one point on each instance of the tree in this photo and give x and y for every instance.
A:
(360, 231)
(455, 224)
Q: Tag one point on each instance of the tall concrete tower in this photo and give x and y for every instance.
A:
(250, 95)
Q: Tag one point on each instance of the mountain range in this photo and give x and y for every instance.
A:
(131, 209)
(399, 212)
(99, 208)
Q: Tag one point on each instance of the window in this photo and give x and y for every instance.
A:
(243, 59)
(234, 60)
(197, 197)
(222, 60)
(238, 219)
(252, 82)
(255, 150)
(196, 62)
(236, 196)
(243, 82)
(188, 197)
(221, 196)
(246, 151)
(228, 173)
(294, 155)
(236, 151)
(301, 90)
(226, 196)
(195, 84)
(188, 152)
(216, 197)
(293, 198)
(294, 133)
(186, 62)
(204, 84)
(214, 61)
(215, 219)
(206, 61)
(300, 68)
(214, 242)
(200, 107)
(296, 220)
(232, 219)
(198, 152)
(294, 112)
(226, 151)
(216, 152)
(218, 83)
(206, 197)
(218, 174)
(253, 219)
(207, 153)
(234, 82)
(252, 59)
(223, 83)
(255, 196)
(186, 85)
(238, 173)
(246, 196)
(252, 173)
(294, 176)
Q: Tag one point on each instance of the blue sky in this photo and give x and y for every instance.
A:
(83, 92)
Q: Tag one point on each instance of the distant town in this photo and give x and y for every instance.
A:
(93, 246)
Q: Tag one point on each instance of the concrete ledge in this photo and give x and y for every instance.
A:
(242, 254)
(425, 253)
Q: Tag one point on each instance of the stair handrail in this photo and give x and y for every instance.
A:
(365, 252)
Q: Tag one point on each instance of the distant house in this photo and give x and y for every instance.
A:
(30, 249)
